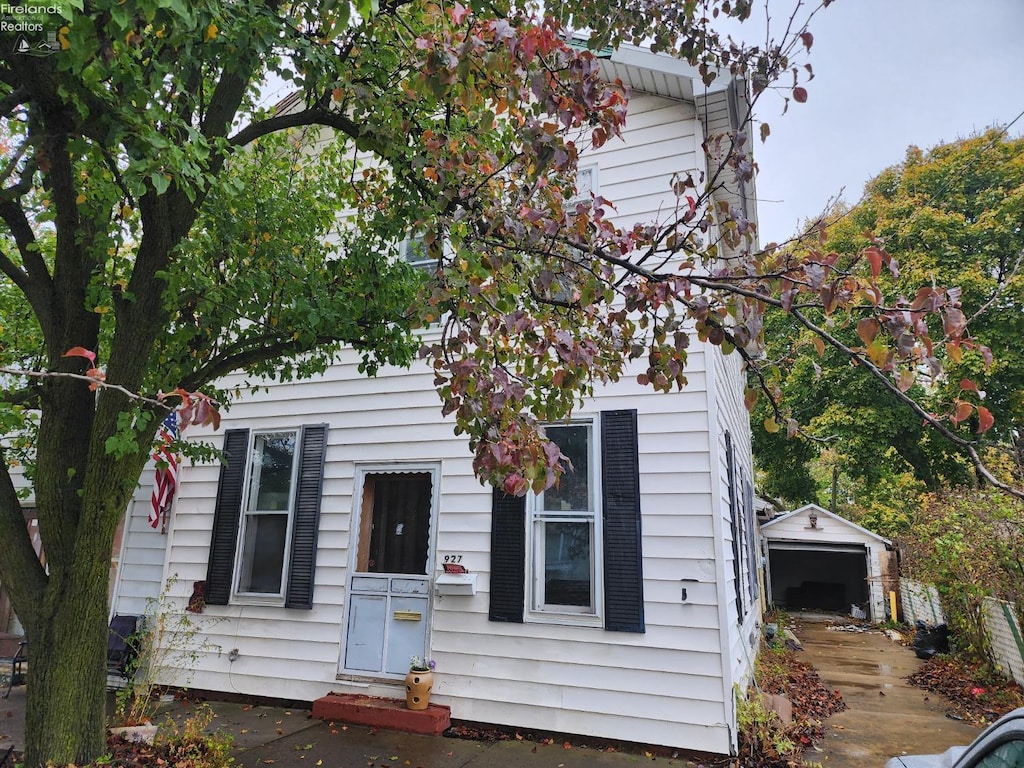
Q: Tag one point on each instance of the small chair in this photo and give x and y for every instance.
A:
(122, 646)
(13, 667)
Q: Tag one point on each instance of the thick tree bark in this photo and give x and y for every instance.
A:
(64, 722)
(65, 717)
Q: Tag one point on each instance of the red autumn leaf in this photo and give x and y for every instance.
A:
(800, 94)
(967, 384)
(963, 410)
(985, 419)
(953, 322)
(874, 257)
(808, 39)
(81, 352)
(750, 398)
(867, 329)
(458, 13)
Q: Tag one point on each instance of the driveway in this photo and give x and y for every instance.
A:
(886, 715)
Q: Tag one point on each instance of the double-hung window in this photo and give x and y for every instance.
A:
(554, 556)
(565, 530)
(266, 516)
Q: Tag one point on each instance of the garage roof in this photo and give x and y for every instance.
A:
(824, 513)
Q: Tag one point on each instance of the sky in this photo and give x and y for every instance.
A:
(887, 74)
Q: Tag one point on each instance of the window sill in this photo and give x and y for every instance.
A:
(269, 601)
(565, 619)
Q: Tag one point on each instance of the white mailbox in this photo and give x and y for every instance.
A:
(455, 581)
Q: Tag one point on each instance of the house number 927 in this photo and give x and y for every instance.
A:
(453, 558)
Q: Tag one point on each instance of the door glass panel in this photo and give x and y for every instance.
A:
(395, 525)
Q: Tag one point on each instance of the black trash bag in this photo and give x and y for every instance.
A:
(930, 640)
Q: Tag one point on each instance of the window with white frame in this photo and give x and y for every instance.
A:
(586, 185)
(413, 251)
(266, 514)
(564, 529)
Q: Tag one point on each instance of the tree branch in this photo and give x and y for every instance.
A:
(313, 116)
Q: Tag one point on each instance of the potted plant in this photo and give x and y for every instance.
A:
(419, 682)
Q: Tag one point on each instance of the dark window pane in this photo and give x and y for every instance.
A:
(263, 553)
(1007, 755)
(568, 566)
(400, 530)
(573, 491)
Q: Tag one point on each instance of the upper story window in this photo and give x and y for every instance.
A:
(586, 185)
(266, 516)
(413, 250)
(564, 526)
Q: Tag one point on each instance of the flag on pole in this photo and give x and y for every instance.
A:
(166, 470)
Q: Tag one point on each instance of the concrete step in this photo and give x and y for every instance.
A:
(357, 709)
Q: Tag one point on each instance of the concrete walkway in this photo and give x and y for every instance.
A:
(886, 716)
(265, 736)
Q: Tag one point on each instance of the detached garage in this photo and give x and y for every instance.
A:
(818, 561)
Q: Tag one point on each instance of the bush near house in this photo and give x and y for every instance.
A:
(969, 545)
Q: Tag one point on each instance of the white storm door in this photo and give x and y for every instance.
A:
(389, 587)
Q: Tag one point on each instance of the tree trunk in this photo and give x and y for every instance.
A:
(65, 718)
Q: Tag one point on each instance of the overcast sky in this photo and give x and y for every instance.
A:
(888, 73)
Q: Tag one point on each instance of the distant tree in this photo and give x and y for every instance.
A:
(951, 216)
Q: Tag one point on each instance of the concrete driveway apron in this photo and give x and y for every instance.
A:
(886, 716)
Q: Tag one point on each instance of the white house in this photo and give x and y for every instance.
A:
(624, 605)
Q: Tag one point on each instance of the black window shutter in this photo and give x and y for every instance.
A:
(623, 559)
(306, 522)
(508, 557)
(748, 517)
(221, 567)
(734, 525)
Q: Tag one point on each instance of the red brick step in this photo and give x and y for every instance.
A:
(357, 709)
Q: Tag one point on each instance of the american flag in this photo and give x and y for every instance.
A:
(166, 470)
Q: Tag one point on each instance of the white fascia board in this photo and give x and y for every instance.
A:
(632, 55)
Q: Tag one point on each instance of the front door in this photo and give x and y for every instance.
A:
(389, 586)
